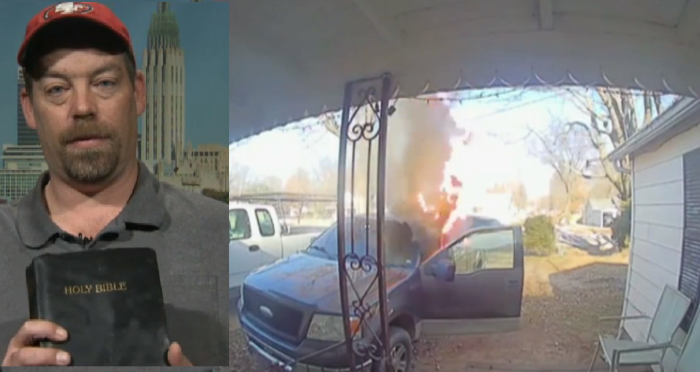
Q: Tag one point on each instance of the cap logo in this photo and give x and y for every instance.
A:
(67, 8)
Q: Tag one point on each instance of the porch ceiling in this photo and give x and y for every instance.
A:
(290, 59)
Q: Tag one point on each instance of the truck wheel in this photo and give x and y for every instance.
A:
(401, 353)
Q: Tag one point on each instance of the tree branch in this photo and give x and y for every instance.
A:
(565, 151)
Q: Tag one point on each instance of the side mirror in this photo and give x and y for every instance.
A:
(444, 270)
(312, 239)
(285, 229)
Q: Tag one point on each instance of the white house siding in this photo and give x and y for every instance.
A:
(657, 228)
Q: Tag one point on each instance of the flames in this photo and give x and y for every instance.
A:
(452, 204)
(446, 208)
(427, 167)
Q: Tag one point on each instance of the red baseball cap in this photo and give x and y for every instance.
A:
(95, 12)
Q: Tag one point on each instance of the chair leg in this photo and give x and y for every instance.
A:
(614, 362)
(595, 356)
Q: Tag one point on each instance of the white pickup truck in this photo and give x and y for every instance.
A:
(256, 239)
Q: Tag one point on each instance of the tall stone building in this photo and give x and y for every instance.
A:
(163, 123)
(25, 136)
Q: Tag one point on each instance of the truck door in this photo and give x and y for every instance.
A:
(243, 251)
(475, 285)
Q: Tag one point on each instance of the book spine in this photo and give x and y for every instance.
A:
(31, 293)
(34, 312)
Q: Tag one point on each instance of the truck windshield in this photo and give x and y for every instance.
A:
(400, 249)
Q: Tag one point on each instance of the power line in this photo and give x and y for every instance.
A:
(482, 95)
(314, 143)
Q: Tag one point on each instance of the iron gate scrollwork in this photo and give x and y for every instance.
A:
(360, 305)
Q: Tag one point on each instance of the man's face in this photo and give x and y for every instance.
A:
(85, 109)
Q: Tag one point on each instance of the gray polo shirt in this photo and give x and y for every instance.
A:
(187, 230)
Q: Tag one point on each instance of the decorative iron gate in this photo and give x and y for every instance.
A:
(359, 305)
(363, 308)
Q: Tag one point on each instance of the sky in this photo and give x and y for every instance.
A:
(498, 124)
(204, 38)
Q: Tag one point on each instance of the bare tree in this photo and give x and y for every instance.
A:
(574, 200)
(519, 196)
(243, 181)
(238, 179)
(272, 183)
(615, 117)
(299, 182)
(601, 188)
(326, 176)
(566, 151)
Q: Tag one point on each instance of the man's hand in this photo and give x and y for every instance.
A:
(176, 358)
(22, 352)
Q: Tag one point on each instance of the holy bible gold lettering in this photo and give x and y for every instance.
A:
(110, 302)
(96, 288)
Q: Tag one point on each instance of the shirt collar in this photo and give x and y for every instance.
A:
(146, 208)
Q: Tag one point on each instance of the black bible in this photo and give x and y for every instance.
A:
(109, 301)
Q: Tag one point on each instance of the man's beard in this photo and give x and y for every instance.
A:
(90, 165)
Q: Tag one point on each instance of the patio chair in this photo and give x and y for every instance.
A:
(688, 358)
(616, 352)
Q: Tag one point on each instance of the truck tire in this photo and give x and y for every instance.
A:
(401, 354)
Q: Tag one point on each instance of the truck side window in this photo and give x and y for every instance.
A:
(484, 250)
(239, 224)
(497, 249)
(267, 226)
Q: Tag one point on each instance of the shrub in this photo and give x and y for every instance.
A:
(538, 236)
(622, 226)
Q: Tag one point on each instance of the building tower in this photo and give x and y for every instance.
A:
(163, 125)
(25, 136)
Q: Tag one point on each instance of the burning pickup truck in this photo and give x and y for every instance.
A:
(291, 313)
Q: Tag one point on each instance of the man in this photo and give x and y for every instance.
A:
(84, 95)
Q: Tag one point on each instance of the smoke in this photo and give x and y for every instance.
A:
(418, 146)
